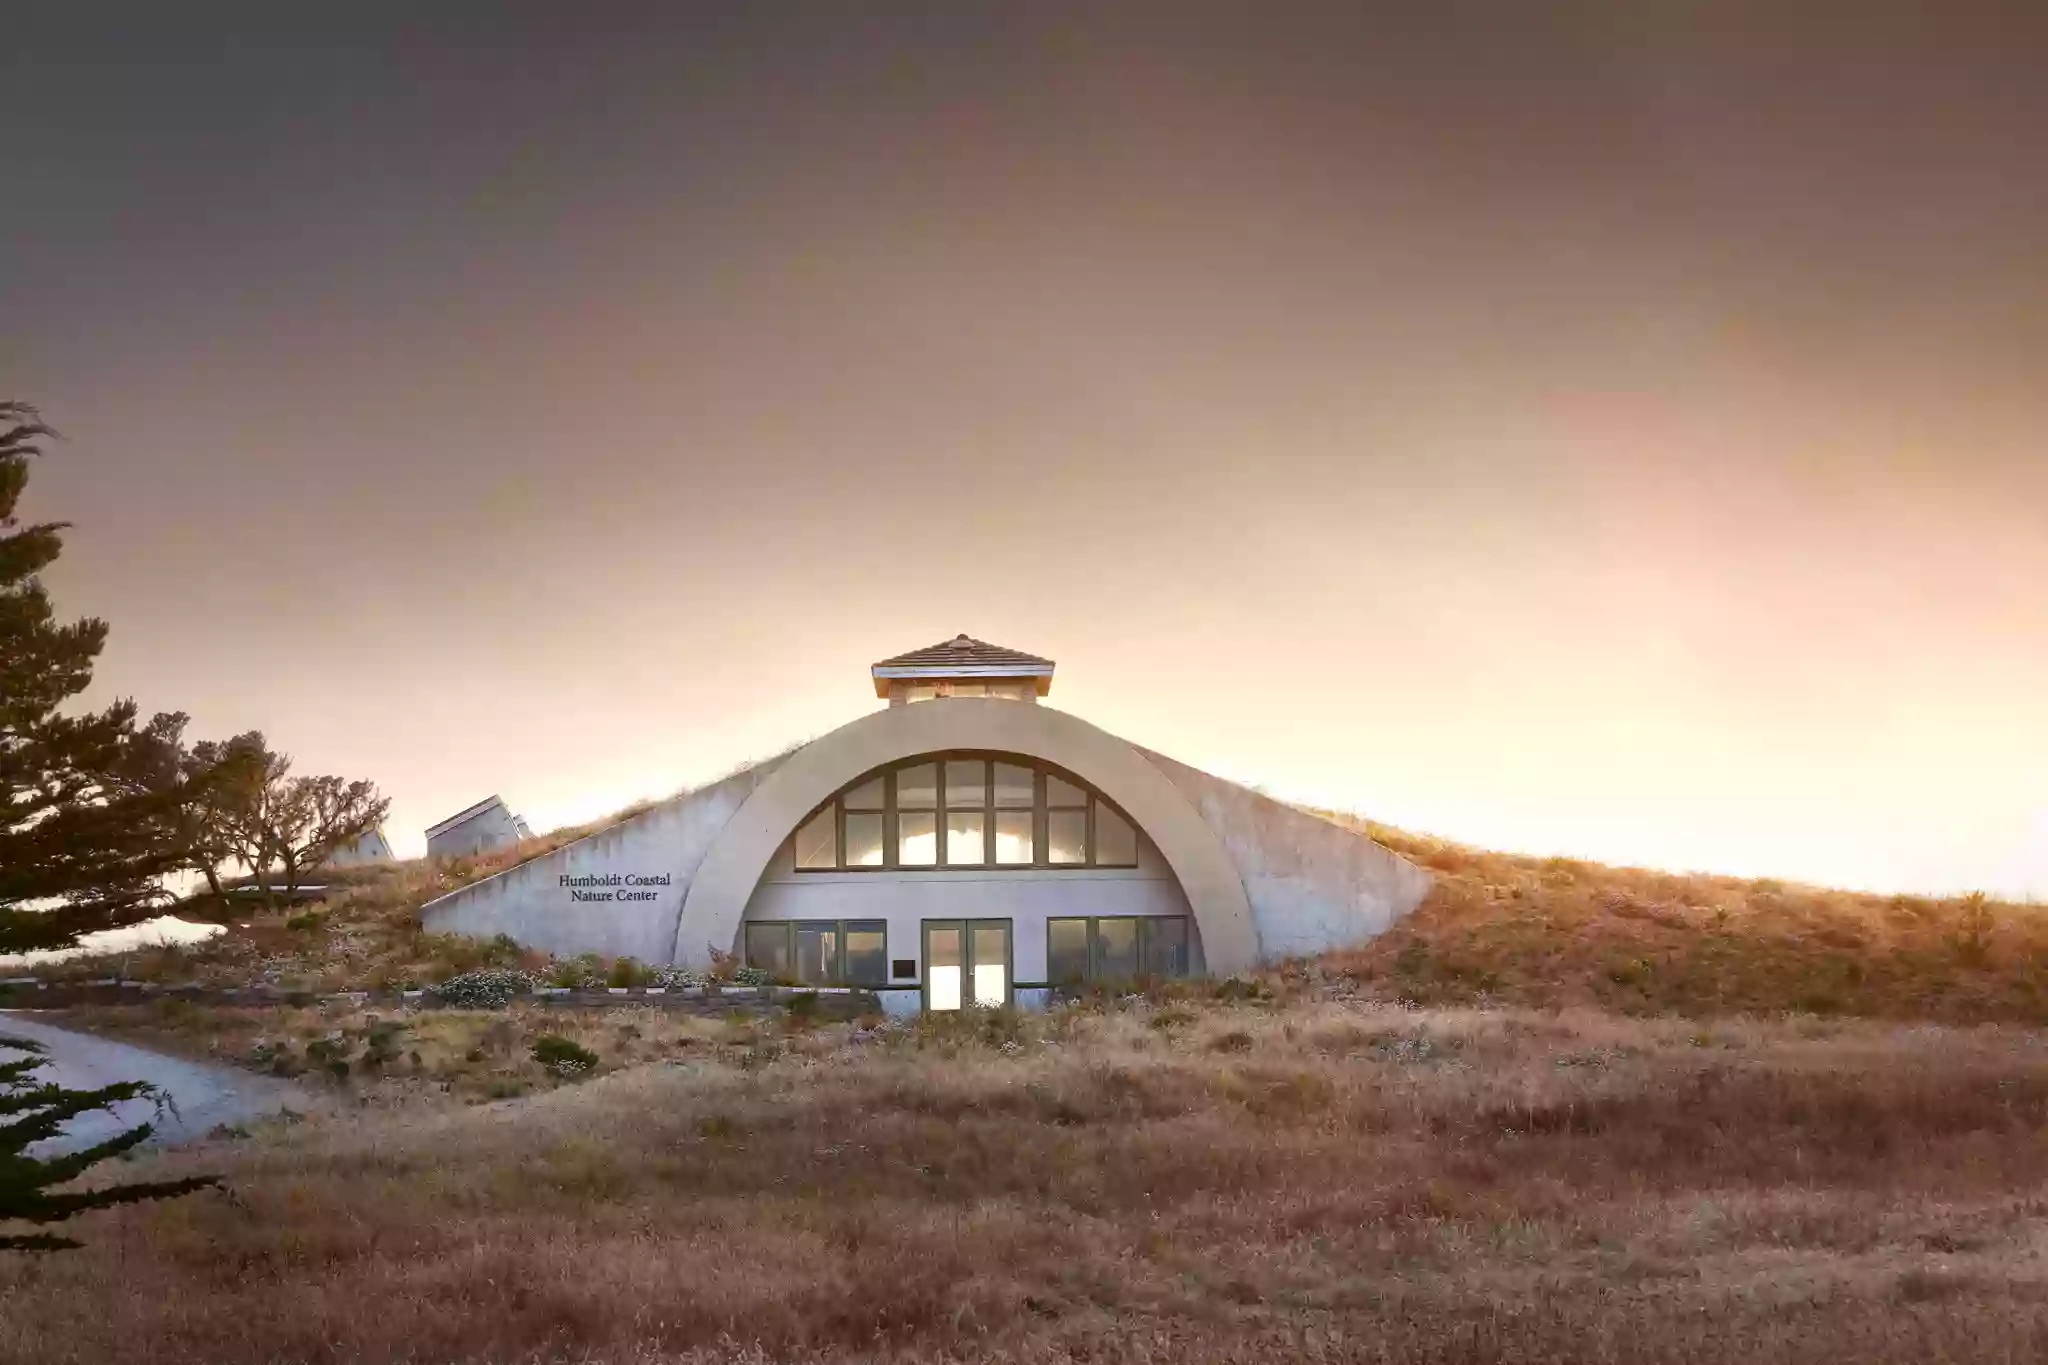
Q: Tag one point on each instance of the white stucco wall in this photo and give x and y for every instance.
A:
(534, 905)
(1303, 884)
(1313, 886)
(1026, 897)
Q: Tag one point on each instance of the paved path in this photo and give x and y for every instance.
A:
(205, 1094)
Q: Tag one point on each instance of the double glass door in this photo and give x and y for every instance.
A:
(966, 962)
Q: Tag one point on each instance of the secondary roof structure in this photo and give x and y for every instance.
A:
(467, 813)
(487, 824)
(372, 847)
(963, 657)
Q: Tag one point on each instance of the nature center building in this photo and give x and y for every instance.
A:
(964, 844)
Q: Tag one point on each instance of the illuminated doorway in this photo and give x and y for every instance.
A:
(966, 961)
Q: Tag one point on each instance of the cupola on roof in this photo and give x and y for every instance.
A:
(963, 656)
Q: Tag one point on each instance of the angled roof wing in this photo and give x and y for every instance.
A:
(452, 821)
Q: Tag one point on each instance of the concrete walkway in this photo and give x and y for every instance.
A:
(204, 1094)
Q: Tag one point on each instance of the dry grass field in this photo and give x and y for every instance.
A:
(1565, 1112)
(401, 1056)
(1292, 1178)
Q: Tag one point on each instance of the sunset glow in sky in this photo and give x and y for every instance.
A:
(1620, 432)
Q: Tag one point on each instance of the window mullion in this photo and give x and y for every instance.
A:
(890, 832)
(1039, 853)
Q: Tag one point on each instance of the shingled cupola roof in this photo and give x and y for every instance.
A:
(964, 657)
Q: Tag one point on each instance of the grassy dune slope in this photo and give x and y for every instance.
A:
(1233, 1182)
(1549, 932)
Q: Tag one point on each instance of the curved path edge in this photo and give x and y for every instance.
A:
(203, 1094)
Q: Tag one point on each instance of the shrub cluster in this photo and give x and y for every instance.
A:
(725, 974)
(584, 972)
(492, 988)
(565, 1057)
(629, 972)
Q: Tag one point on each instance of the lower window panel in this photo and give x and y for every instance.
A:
(1066, 952)
(1109, 949)
(767, 947)
(817, 954)
(867, 953)
(1116, 949)
(820, 952)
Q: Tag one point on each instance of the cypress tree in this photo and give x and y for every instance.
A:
(31, 1113)
(86, 836)
(83, 845)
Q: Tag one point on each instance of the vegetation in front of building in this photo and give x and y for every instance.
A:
(1123, 1179)
(563, 1057)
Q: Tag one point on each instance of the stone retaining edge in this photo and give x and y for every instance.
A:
(30, 993)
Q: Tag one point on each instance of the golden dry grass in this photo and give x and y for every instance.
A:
(1555, 931)
(1246, 1182)
(468, 1055)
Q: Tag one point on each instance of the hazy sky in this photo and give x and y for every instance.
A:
(1619, 431)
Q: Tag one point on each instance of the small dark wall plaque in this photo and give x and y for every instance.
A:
(903, 966)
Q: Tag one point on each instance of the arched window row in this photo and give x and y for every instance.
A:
(965, 811)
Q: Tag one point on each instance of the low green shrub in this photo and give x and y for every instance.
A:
(381, 1043)
(331, 1054)
(503, 951)
(1242, 988)
(276, 1057)
(564, 1057)
(629, 972)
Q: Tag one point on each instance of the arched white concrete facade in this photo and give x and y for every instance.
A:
(719, 892)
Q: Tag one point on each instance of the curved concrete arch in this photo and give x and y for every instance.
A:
(726, 879)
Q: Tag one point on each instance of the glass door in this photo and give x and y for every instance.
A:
(966, 962)
(988, 961)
